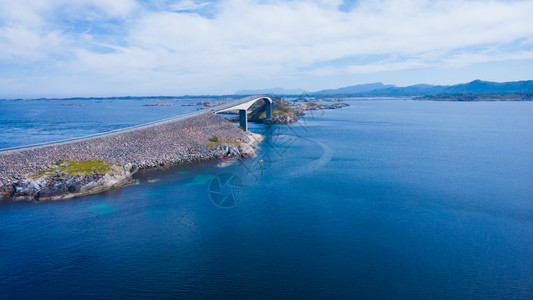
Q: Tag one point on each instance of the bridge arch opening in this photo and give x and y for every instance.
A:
(244, 104)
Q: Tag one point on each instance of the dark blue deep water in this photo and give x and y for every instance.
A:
(383, 199)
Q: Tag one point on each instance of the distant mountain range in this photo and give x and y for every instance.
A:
(356, 89)
(274, 91)
(380, 89)
(473, 87)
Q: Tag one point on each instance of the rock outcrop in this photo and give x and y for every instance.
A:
(63, 185)
(238, 149)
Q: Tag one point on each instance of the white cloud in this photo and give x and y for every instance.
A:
(251, 41)
(465, 59)
(19, 42)
(370, 68)
(28, 32)
(187, 5)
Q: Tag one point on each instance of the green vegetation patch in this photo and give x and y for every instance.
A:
(74, 167)
(279, 112)
(213, 143)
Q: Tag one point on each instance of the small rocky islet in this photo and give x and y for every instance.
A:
(160, 104)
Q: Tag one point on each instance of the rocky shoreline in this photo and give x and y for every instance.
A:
(177, 142)
(62, 185)
(36, 174)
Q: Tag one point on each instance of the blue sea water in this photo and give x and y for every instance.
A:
(382, 199)
(24, 122)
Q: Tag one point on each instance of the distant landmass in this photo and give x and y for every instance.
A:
(479, 97)
(274, 91)
(380, 89)
(356, 89)
(473, 87)
(522, 89)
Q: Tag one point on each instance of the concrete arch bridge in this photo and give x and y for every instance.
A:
(243, 105)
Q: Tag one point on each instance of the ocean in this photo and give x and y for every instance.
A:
(382, 199)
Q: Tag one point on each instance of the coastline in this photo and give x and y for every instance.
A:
(37, 172)
(178, 142)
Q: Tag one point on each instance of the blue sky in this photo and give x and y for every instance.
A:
(65, 48)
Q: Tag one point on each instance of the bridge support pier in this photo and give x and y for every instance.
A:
(268, 111)
(243, 119)
(243, 105)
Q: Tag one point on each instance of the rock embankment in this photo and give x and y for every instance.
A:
(176, 142)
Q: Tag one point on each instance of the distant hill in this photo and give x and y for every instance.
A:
(356, 89)
(274, 91)
(474, 87)
(483, 87)
(480, 97)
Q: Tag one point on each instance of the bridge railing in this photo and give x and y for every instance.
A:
(235, 103)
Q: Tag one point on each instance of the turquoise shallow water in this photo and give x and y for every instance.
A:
(384, 199)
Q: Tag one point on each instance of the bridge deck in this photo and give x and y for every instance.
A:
(215, 109)
(236, 103)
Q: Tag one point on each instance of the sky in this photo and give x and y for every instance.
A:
(98, 48)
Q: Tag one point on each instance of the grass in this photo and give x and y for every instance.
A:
(84, 167)
(213, 144)
(279, 112)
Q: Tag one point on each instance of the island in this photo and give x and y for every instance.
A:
(160, 104)
(479, 97)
